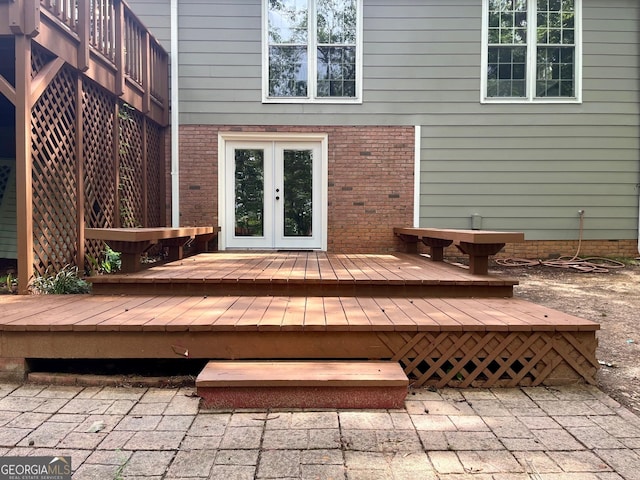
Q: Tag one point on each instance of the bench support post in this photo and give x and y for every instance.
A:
(410, 242)
(436, 247)
(202, 242)
(479, 255)
(175, 247)
(130, 253)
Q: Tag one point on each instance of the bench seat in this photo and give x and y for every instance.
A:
(478, 244)
(133, 242)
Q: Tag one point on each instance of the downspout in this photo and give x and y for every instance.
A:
(175, 120)
(416, 175)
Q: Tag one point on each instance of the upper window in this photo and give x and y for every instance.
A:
(531, 50)
(312, 50)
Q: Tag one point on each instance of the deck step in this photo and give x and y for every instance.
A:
(302, 384)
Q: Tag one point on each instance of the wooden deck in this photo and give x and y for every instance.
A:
(306, 274)
(444, 326)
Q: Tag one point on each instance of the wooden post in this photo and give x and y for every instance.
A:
(116, 164)
(145, 173)
(166, 103)
(163, 179)
(80, 174)
(146, 77)
(84, 30)
(24, 17)
(24, 180)
(119, 46)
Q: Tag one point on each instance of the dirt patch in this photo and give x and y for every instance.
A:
(611, 299)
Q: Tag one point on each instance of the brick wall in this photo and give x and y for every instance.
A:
(370, 184)
(545, 249)
(548, 249)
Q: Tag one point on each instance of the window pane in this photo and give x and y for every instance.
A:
(336, 21)
(298, 193)
(507, 21)
(506, 74)
(336, 70)
(249, 193)
(288, 21)
(568, 37)
(556, 21)
(555, 72)
(288, 71)
(288, 36)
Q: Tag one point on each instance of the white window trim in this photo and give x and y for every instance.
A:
(312, 63)
(531, 59)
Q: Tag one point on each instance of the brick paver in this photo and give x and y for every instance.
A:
(560, 433)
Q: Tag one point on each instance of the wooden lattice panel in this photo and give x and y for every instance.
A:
(486, 359)
(131, 171)
(155, 195)
(99, 163)
(39, 58)
(54, 174)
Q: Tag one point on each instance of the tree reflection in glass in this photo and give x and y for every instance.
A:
(298, 193)
(249, 193)
(288, 39)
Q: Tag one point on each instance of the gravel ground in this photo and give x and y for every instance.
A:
(611, 299)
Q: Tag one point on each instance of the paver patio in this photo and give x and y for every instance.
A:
(570, 432)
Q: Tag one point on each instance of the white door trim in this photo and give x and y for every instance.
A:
(224, 137)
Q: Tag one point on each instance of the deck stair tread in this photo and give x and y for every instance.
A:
(301, 373)
(302, 384)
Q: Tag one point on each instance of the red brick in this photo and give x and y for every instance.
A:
(364, 202)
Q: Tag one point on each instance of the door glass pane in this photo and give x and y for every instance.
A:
(249, 193)
(298, 190)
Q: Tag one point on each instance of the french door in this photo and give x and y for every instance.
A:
(273, 197)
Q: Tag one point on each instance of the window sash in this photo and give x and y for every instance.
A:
(551, 71)
(327, 66)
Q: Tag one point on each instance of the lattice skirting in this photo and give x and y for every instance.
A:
(488, 359)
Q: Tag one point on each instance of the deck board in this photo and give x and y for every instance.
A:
(272, 320)
(170, 318)
(305, 274)
(214, 319)
(105, 313)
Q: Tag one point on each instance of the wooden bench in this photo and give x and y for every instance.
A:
(478, 244)
(133, 242)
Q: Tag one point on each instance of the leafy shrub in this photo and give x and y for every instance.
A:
(66, 281)
(110, 261)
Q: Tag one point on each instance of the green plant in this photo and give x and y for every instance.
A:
(66, 281)
(8, 283)
(109, 261)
